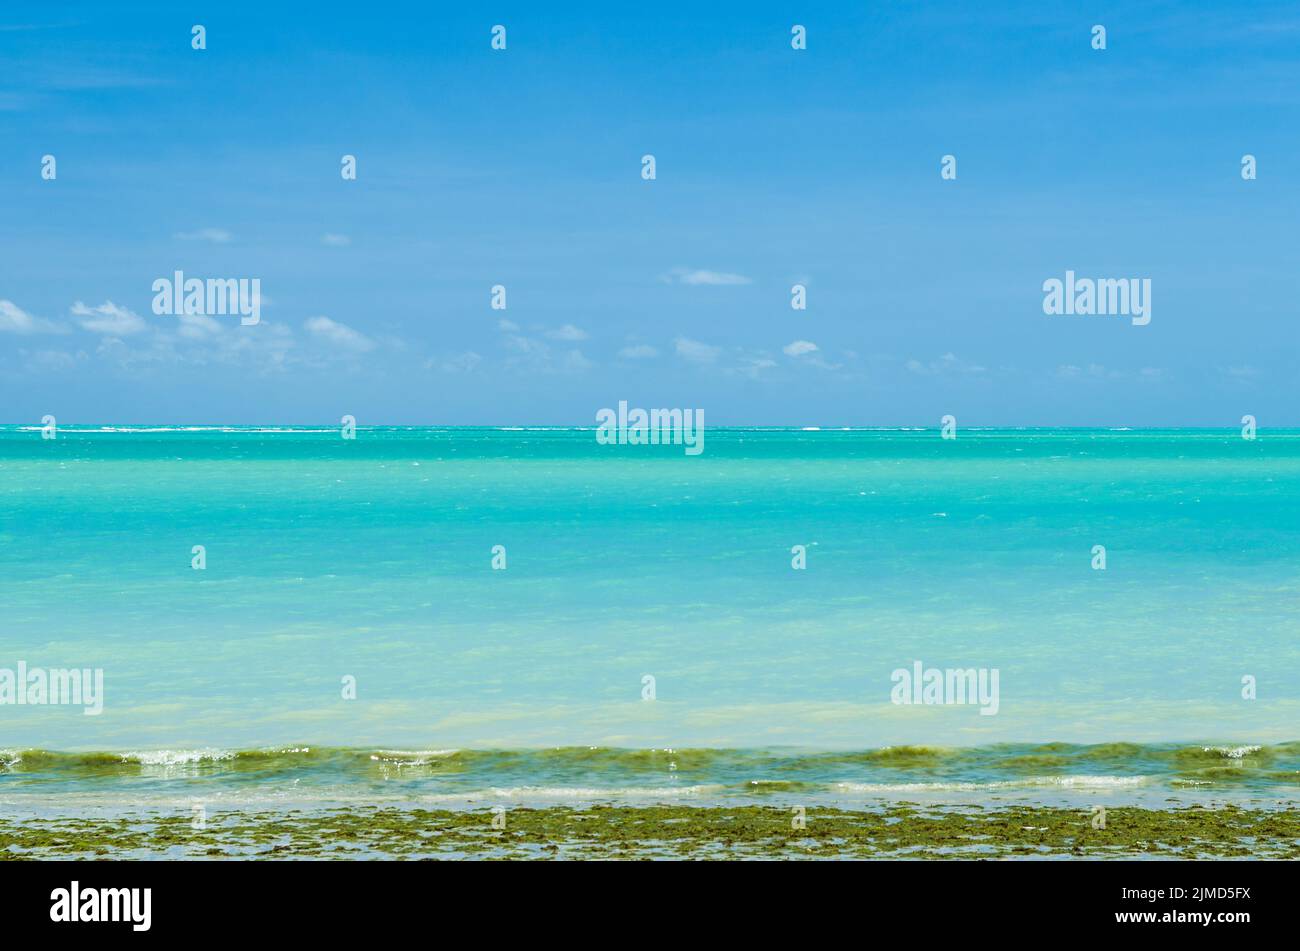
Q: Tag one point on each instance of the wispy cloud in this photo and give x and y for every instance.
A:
(751, 366)
(212, 235)
(808, 354)
(84, 77)
(533, 353)
(640, 351)
(1241, 373)
(681, 275)
(567, 332)
(108, 319)
(466, 362)
(199, 341)
(338, 334)
(948, 364)
(50, 361)
(198, 326)
(1068, 371)
(1095, 371)
(694, 351)
(15, 320)
(331, 240)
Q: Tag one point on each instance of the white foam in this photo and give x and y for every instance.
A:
(176, 757)
(1084, 782)
(585, 792)
(401, 758)
(1232, 752)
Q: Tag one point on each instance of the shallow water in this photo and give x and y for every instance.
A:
(372, 559)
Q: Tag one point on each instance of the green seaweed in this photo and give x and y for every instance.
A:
(666, 832)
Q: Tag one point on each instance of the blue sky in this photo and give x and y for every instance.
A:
(522, 168)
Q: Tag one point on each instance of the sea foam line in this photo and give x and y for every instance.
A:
(1084, 782)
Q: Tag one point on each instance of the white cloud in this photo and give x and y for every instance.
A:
(337, 334)
(640, 351)
(335, 240)
(268, 345)
(533, 353)
(701, 277)
(1244, 372)
(694, 351)
(108, 319)
(946, 364)
(752, 366)
(15, 320)
(214, 235)
(51, 361)
(1069, 371)
(574, 360)
(456, 363)
(567, 332)
(198, 326)
(133, 344)
(196, 340)
(799, 348)
(526, 345)
(1095, 371)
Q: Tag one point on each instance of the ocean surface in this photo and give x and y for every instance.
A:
(370, 561)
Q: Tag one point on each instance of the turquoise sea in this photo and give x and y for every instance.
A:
(329, 559)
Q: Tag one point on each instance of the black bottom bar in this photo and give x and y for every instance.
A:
(336, 900)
